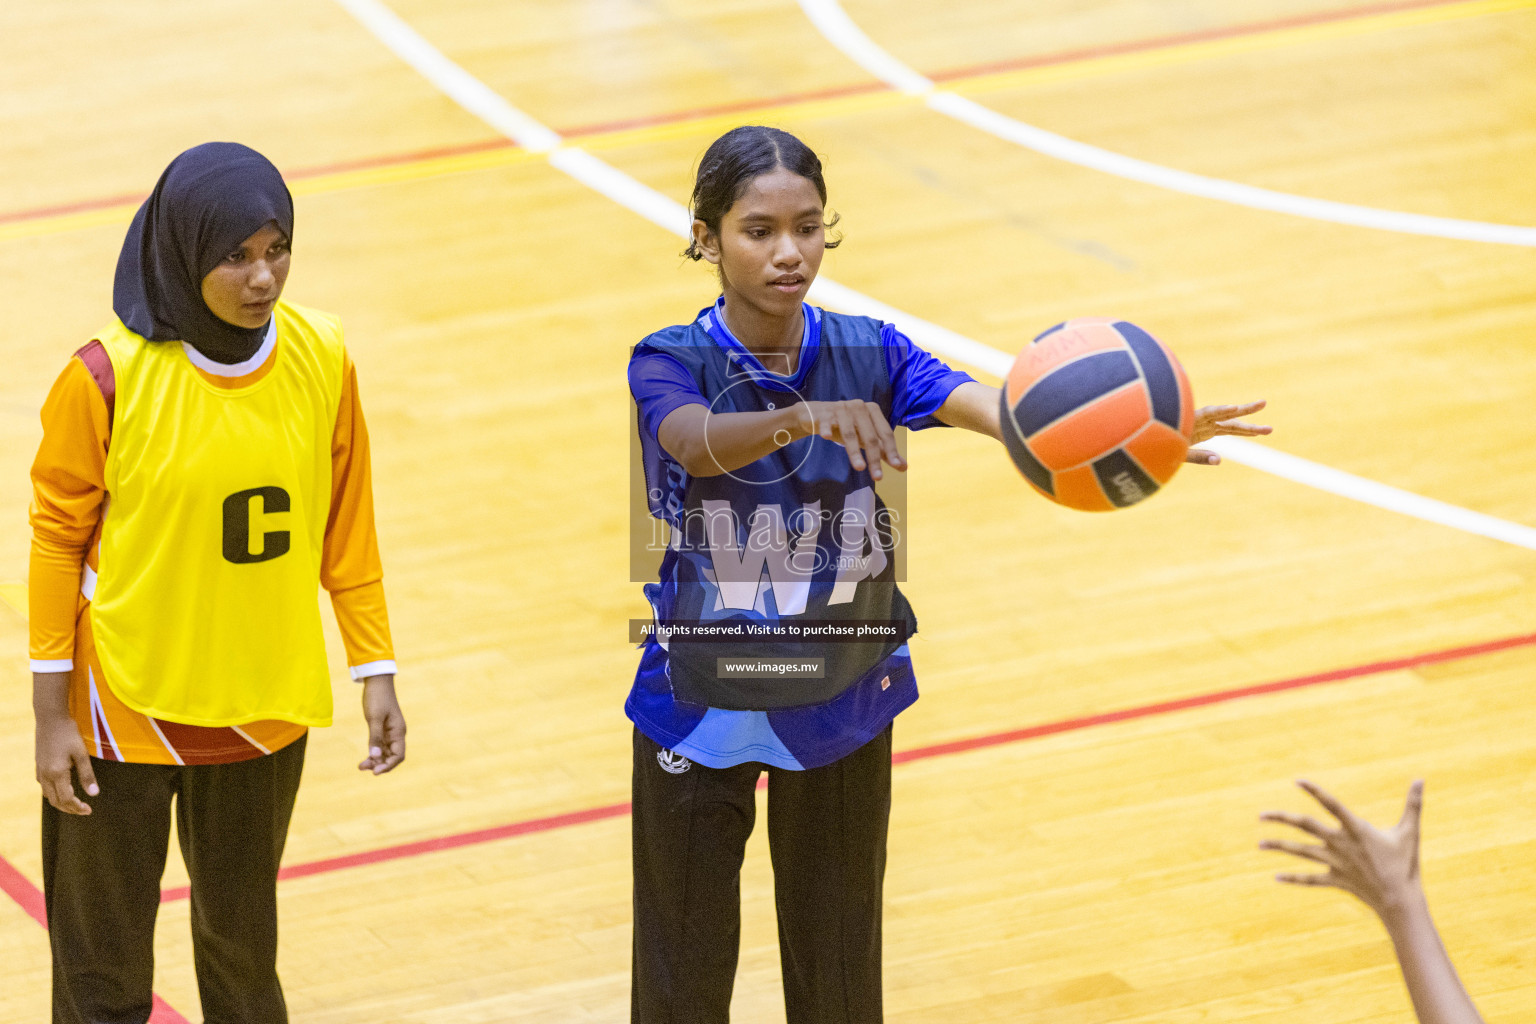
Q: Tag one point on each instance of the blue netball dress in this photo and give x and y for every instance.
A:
(797, 537)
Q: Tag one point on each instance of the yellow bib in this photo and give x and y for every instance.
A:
(206, 608)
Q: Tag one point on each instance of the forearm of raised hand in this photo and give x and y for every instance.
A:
(1438, 995)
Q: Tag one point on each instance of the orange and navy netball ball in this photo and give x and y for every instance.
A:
(1097, 414)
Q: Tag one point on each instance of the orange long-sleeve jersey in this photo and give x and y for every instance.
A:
(69, 500)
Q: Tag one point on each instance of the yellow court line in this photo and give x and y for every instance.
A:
(1207, 49)
(15, 596)
(60, 223)
(803, 110)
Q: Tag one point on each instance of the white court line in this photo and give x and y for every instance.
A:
(663, 211)
(1336, 481)
(462, 87)
(833, 22)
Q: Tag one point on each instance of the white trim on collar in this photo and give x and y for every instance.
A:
(251, 365)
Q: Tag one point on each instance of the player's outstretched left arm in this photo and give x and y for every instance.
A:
(1223, 421)
(973, 406)
(976, 406)
(386, 725)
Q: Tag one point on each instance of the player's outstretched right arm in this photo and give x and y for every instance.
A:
(1381, 867)
(708, 444)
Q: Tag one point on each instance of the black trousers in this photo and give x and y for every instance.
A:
(101, 883)
(826, 833)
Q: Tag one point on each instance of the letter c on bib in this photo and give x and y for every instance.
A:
(237, 525)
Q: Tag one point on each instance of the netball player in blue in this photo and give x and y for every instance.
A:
(765, 424)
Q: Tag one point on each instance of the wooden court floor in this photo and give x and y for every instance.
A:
(1074, 826)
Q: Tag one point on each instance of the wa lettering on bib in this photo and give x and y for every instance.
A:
(797, 537)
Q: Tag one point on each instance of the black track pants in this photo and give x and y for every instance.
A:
(826, 831)
(101, 882)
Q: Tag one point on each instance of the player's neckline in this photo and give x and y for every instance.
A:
(713, 322)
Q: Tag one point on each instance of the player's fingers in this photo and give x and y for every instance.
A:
(375, 746)
(394, 744)
(1414, 807)
(86, 773)
(870, 442)
(1304, 822)
(1227, 412)
(1321, 854)
(883, 438)
(59, 788)
(50, 783)
(60, 803)
(1335, 807)
(1213, 413)
(45, 783)
(1202, 457)
(825, 424)
(392, 757)
(1231, 412)
(887, 435)
(1237, 428)
(1324, 880)
(848, 431)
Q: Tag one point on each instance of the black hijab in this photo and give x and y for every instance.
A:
(209, 200)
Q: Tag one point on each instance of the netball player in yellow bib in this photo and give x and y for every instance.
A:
(204, 466)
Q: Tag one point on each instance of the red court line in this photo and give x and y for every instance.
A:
(1184, 38)
(162, 1012)
(83, 206)
(370, 163)
(1220, 697)
(559, 821)
(484, 835)
(30, 898)
(746, 106)
(16, 885)
(738, 107)
(300, 174)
